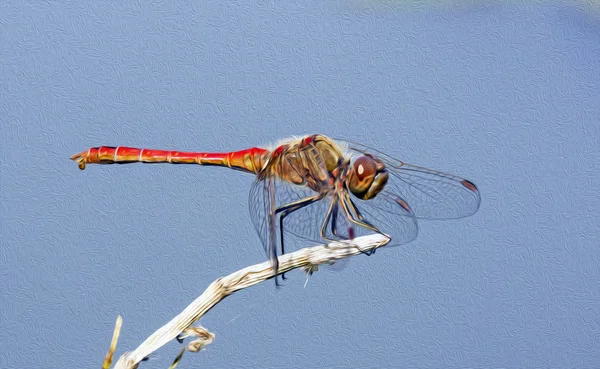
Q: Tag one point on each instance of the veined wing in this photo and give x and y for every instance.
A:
(306, 226)
(387, 212)
(303, 223)
(429, 193)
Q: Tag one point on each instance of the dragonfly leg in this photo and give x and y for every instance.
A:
(288, 209)
(334, 213)
(353, 207)
(331, 213)
(361, 223)
(332, 216)
(334, 229)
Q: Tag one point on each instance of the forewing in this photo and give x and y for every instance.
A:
(429, 193)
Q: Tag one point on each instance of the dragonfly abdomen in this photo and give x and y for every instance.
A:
(249, 160)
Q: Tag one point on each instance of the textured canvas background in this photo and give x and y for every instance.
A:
(506, 95)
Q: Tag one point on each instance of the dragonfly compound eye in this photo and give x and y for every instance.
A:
(366, 178)
(364, 168)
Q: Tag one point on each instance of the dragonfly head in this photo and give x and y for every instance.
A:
(366, 177)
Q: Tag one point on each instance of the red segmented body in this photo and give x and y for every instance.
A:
(249, 160)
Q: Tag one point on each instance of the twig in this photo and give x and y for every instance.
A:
(113, 343)
(307, 258)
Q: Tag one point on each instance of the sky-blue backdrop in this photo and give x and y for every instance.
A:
(506, 95)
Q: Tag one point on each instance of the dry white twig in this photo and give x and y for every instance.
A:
(307, 258)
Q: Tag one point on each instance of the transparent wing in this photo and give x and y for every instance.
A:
(261, 203)
(429, 193)
(389, 214)
(303, 223)
(306, 226)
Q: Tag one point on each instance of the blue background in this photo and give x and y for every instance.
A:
(506, 95)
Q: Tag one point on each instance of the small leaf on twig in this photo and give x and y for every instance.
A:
(204, 338)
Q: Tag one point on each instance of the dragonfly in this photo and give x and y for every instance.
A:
(322, 189)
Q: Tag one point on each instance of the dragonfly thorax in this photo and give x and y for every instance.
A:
(367, 176)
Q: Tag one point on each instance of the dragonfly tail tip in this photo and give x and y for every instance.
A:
(80, 159)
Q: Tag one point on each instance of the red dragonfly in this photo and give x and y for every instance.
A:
(318, 188)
